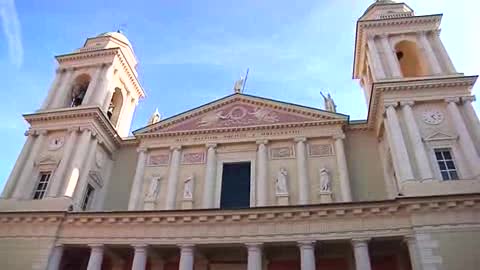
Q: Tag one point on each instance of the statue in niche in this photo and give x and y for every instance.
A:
(281, 182)
(325, 183)
(154, 188)
(188, 188)
(329, 104)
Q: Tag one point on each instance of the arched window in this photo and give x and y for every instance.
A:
(79, 89)
(411, 63)
(115, 106)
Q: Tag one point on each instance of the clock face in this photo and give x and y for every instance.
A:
(55, 143)
(433, 117)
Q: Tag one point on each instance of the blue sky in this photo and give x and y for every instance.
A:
(191, 52)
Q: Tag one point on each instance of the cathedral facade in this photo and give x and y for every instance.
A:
(246, 182)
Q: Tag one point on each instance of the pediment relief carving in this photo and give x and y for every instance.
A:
(240, 112)
(440, 136)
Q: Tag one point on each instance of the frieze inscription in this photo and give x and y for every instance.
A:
(320, 150)
(159, 160)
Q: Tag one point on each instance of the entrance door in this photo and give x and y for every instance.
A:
(235, 185)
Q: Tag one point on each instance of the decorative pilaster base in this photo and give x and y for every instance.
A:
(282, 199)
(149, 205)
(187, 204)
(326, 197)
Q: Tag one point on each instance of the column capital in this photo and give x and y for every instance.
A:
(261, 142)
(186, 247)
(176, 148)
(452, 99)
(87, 129)
(409, 239)
(29, 132)
(371, 36)
(211, 145)
(96, 246)
(384, 35)
(254, 245)
(41, 132)
(340, 136)
(358, 242)
(306, 244)
(140, 246)
(73, 129)
(469, 99)
(300, 139)
(142, 150)
(388, 104)
(408, 103)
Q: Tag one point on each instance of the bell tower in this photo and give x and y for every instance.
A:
(96, 75)
(419, 105)
(72, 140)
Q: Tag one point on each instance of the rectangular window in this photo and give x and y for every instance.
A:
(42, 185)
(87, 200)
(446, 164)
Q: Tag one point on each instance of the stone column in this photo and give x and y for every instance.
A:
(172, 181)
(58, 177)
(23, 188)
(421, 158)
(342, 168)
(397, 144)
(78, 160)
(59, 74)
(96, 257)
(390, 56)
(62, 93)
(302, 171)
(140, 257)
(360, 251)
(445, 58)
(472, 119)
(254, 256)
(85, 169)
(186, 257)
(137, 186)
(19, 164)
(55, 258)
(427, 50)
(411, 242)
(92, 86)
(210, 175)
(307, 255)
(262, 173)
(103, 90)
(374, 60)
(465, 141)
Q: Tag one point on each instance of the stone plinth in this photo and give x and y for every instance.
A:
(325, 197)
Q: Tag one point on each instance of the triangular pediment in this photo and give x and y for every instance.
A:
(439, 136)
(242, 111)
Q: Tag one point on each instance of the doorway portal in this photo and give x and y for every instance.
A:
(235, 185)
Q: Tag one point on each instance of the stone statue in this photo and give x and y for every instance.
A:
(155, 118)
(329, 104)
(281, 182)
(325, 185)
(78, 93)
(237, 87)
(153, 188)
(188, 188)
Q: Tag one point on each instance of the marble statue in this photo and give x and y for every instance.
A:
(188, 188)
(155, 118)
(281, 182)
(325, 185)
(328, 102)
(237, 87)
(153, 188)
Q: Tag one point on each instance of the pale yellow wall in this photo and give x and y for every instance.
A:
(459, 250)
(187, 170)
(120, 183)
(274, 166)
(24, 254)
(365, 169)
(316, 163)
(156, 171)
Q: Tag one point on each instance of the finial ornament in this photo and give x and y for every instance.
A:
(328, 103)
(155, 118)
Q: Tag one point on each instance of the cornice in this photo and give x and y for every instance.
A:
(422, 84)
(237, 129)
(76, 113)
(106, 52)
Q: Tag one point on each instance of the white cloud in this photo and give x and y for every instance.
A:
(12, 31)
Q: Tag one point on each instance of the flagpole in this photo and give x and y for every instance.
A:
(245, 81)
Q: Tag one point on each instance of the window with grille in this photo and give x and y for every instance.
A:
(445, 162)
(42, 185)
(88, 198)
